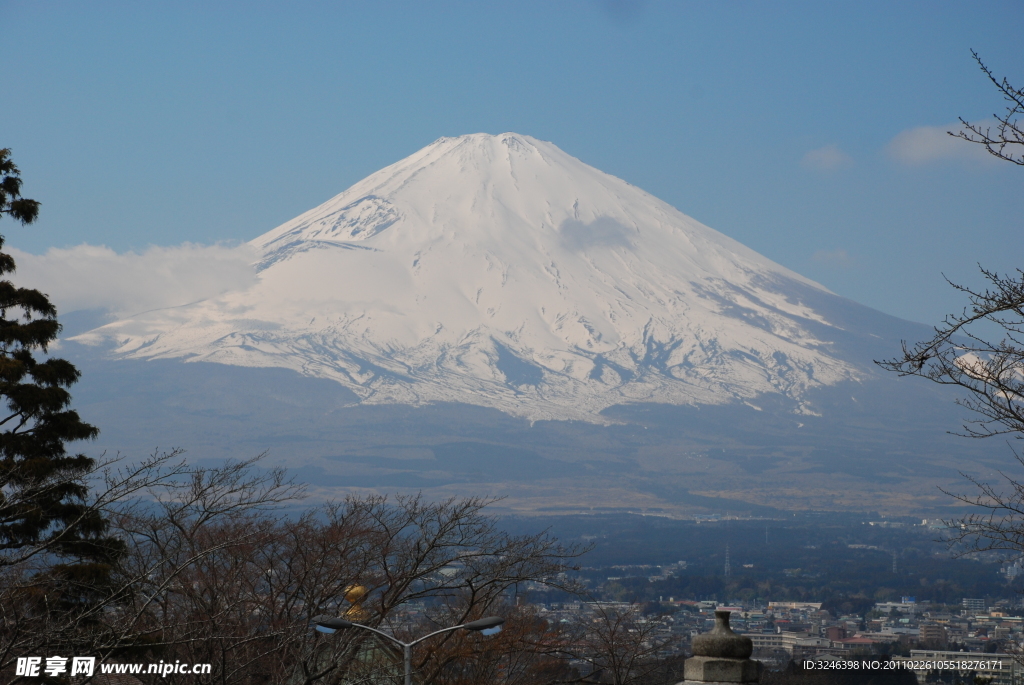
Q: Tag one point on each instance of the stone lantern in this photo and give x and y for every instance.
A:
(721, 656)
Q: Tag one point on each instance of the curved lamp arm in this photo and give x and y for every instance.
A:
(334, 624)
(487, 626)
(328, 624)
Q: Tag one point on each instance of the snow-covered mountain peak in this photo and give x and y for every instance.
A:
(499, 270)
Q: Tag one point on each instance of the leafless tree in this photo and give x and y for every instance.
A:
(981, 351)
(530, 650)
(33, 613)
(221, 580)
(187, 586)
(1007, 141)
(214, 571)
(112, 481)
(161, 510)
(620, 646)
(453, 560)
(964, 353)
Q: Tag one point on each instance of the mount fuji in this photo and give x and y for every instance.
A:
(500, 271)
(492, 316)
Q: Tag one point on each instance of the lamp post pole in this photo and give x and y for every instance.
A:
(487, 626)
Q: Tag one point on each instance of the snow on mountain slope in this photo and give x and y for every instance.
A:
(501, 271)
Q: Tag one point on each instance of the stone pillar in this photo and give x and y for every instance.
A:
(721, 657)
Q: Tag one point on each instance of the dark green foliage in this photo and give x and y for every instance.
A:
(11, 202)
(43, 496)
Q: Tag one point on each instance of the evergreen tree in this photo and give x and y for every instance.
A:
(44, 507)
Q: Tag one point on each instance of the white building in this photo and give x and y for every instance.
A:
(1002, 668)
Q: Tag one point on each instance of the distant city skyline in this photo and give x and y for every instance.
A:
(813, 134)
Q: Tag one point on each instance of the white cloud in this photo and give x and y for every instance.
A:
(836, 258)
(91, 276)
(826, 158)
(927, 144)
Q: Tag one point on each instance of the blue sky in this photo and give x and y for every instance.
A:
(812, 132)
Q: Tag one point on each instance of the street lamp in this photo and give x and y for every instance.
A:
(486, 626)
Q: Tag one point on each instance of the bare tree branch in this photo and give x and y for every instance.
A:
(1007, 142)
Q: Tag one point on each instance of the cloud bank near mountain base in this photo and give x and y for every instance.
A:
(97, 277)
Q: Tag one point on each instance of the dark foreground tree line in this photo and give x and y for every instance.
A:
(211, 571)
